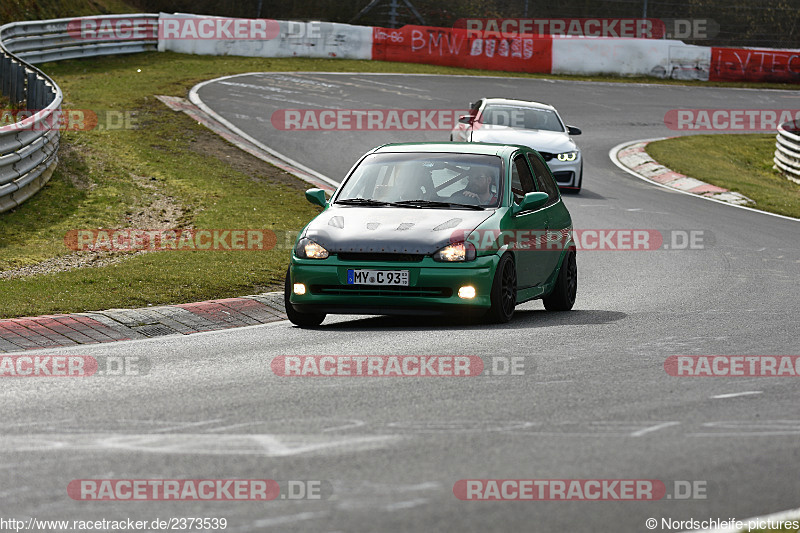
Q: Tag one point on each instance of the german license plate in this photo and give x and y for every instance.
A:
(377, 277)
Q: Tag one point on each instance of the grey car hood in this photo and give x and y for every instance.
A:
(543, 141)
(391, 229)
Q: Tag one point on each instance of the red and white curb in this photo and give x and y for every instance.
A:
(53, 331)
(634, 158)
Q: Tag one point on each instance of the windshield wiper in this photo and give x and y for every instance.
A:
(361, 201)
(469, 206)
(430, 203)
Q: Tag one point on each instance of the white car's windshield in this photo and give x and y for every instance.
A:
(529, 118)
(425, 178)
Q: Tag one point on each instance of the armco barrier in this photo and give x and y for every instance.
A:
(29, 148)
(787, 155)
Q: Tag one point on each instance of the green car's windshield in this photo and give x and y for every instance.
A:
(429, 180)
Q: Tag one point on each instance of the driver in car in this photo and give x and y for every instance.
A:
(479, 187)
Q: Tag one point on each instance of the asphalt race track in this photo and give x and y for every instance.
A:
(594, 400)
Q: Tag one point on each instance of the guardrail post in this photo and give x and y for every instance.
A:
(30, 102)
(49, 94)
(19, 96)
(42, 93)
(37, 102)
(12, 82)
(5, 76)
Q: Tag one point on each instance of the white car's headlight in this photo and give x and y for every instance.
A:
(458, 251)
(567, 156)
(308, 249)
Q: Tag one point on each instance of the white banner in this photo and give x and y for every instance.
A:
(662, 58)
(196, 34)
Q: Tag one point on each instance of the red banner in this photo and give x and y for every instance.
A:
(743, 64)
(452, 47)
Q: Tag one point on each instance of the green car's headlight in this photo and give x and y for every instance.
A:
(308, 249)
(568, 156)
(458, 251)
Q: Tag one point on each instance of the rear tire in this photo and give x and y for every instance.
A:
(563, 296)
(304, 320)
(504, 291)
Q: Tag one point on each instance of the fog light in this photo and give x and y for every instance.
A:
(466, 292)
(299, 288)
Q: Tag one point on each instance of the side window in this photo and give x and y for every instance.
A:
(521, 179)
(473, 110)
(543, 178)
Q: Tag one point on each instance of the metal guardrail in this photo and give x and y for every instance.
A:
(787, 155)
(29, 148)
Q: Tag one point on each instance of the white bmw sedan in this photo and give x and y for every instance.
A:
(531, 124)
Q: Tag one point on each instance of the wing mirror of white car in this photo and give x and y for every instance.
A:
(465, 119)
(572, 130)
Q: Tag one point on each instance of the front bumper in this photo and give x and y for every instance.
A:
(433, 287)
(567, 173)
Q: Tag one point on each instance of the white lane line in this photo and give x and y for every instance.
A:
(185, 425)
(735, 394)
(651, 429)
(728, 435)
(353, 424)
(406, 504)
(267, 445)
(290, 519)
(395, 86)
(233, 426)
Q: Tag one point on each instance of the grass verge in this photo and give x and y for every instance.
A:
(741, 163)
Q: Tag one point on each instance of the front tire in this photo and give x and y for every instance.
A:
(304, 320)
(504, 291)
(563, 296)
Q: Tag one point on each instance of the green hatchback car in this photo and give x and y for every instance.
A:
(435, 228)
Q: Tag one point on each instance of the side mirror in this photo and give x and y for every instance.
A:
(572, 130)
(465, 119)
(317, 197)
(531, 201)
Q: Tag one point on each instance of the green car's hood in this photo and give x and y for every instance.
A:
(392, 229)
